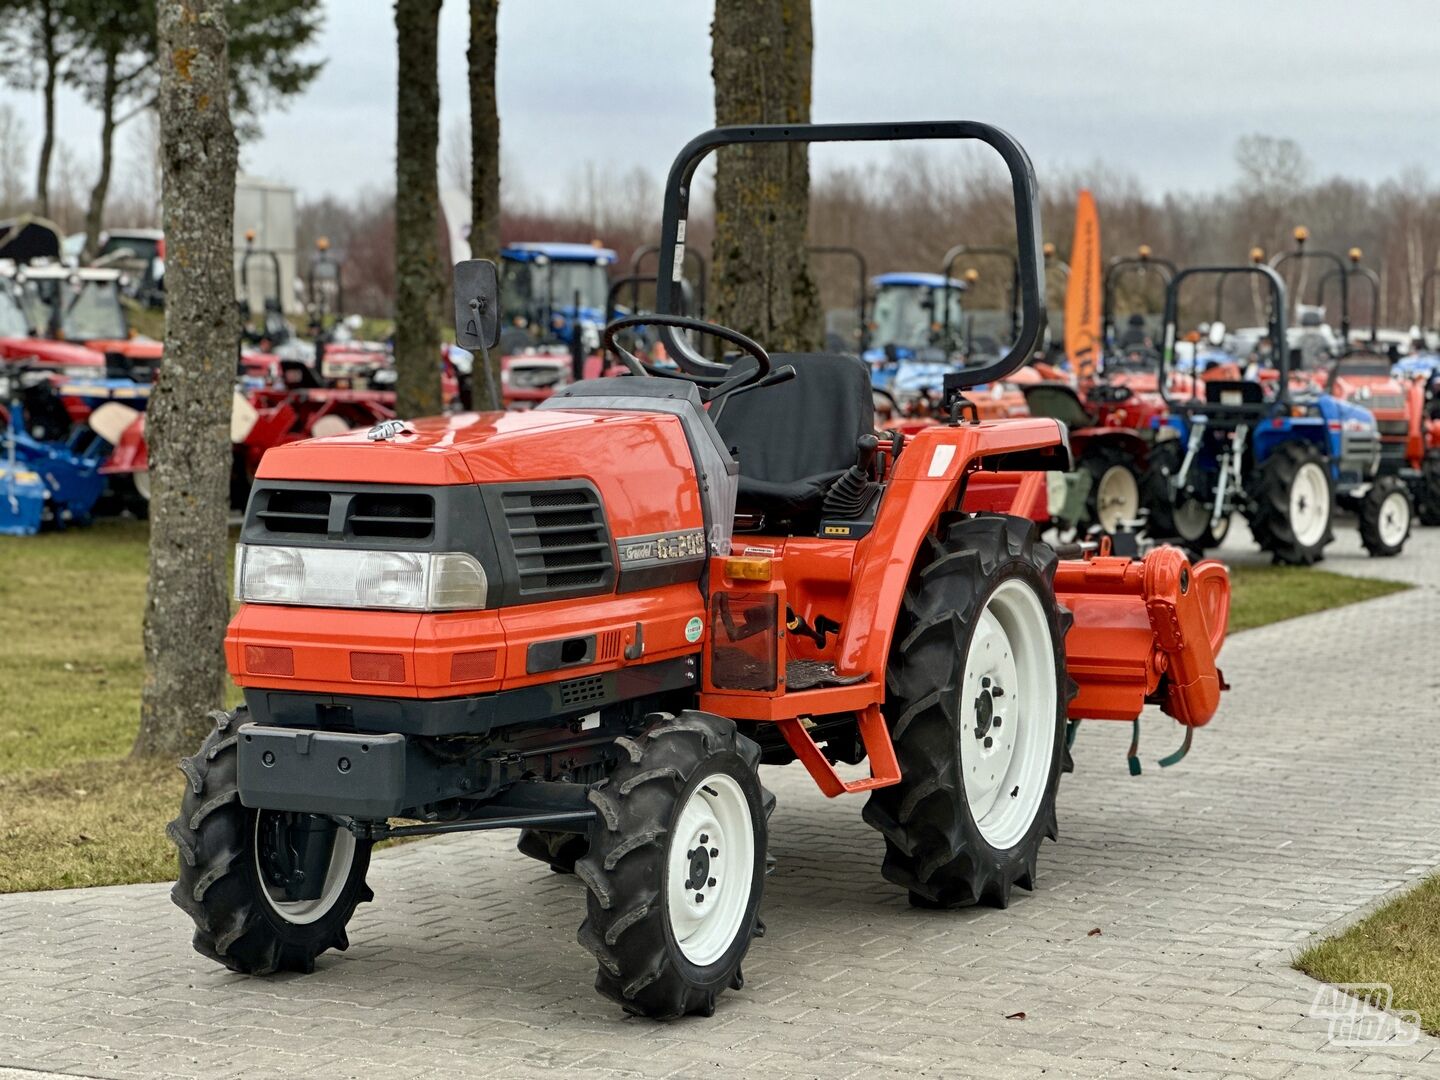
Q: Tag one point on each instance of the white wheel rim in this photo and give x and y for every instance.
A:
(1011, 651)
(302, 912)
(1192, 518)
(1394, 519)
(1221, 530)
(141, 479)
(1309, 504)
(1117, 497)
(710, 869)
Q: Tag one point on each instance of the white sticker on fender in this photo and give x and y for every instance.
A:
(941, 460)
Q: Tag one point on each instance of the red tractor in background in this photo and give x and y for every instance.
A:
(1113, 415)
(594, 620)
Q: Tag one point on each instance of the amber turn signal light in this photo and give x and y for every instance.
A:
(747, 569)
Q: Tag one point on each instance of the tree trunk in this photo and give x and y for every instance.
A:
(50, 52)
(418, 282)
(484, 165)
(95, 215)
(761, 68)
(188, 418)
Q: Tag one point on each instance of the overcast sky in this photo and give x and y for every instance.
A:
(1160, 89)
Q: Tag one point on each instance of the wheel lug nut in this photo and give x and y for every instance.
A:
(699, 898)
(996, 722)
(997, 692)
(712, 883)
(989, 742)
(704, 839)
(714, 853)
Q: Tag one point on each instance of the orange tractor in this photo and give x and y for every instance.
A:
(593, 621)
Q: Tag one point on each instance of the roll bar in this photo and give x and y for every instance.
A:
(633, 283)
(1427, 285)
(1365, 274)
(1143, 262)
(1023, 186)
(1002, 252)
(860, 298)
(1276, 330)
(1299, 254)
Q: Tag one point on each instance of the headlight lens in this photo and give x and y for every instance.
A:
(350, 578)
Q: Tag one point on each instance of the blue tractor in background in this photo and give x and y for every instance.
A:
(1280, 452)
(908, 348)
(551, 292)
(44, 480)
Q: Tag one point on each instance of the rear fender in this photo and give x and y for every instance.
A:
(928, 479)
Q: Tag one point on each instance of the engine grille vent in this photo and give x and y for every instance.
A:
(392, 515)
(287, 511)
(560, 540)
(581, 691)
(1393, 429)
(608, 646)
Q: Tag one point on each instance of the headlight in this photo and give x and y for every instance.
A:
(349, 578)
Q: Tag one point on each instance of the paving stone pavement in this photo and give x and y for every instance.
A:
(1312, 795)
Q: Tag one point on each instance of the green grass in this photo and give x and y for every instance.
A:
(1265, 594)
(76, 810)
(1399, 944)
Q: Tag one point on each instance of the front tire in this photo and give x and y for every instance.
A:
(676, 866)
(1293, 505)
(243, 921)
(1385, 517)
(980, 760)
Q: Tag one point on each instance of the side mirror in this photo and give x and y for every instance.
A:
(477, 304)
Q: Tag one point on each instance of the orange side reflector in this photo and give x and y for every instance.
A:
(747, 569)
(472, 666)
(377, 667)
(269, 660)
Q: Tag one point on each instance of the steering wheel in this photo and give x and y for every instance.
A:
(1134, 358)
(717, 386)
(1110, 393)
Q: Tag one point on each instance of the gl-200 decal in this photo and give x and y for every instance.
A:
(661, 548)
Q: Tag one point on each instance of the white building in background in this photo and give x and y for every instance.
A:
(268, 209)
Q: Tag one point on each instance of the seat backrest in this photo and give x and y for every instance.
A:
(805, 427)
(1057, 401)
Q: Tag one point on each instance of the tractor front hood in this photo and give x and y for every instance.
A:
(66, 354)
(465, 448)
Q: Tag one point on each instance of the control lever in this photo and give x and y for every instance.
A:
(850, 493)
(720, 396)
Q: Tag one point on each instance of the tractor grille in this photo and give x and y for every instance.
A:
(1385, 403)
(1393, 429)
(385, 515)
(583, 691)
(393, 515)
(560, 540)
(534, 377)
(289, 512)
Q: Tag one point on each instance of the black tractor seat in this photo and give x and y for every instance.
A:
(1057, 401)
(793, 440)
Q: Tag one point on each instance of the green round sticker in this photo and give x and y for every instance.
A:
(693, 629)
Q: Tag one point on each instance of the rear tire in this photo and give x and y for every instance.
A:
(1385, 517)
(957, 833)
(1293, 505)
(1114, 497)
(688, 780)
(1177, 516)
(239, 922)
(1429, 508)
